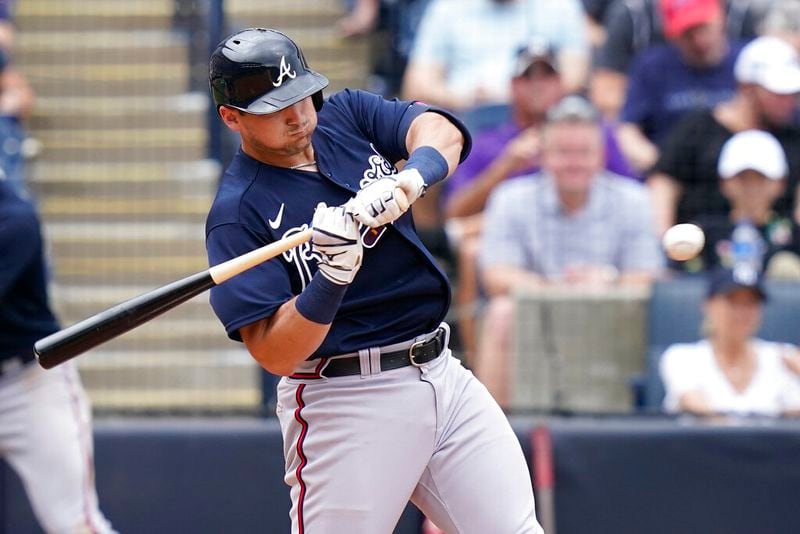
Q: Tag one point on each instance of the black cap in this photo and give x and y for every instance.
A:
(723, 281)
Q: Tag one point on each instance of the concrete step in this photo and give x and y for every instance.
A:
(310, 13)
(74, 302)
(171, 379)
(125, 239)
(129, 180)
(135, 78)
(153, 271)
(186, 110)
(100, 47)
(166, 333)
(121, 145)
(82, 15)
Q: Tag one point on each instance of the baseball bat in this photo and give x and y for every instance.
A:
(72, 341)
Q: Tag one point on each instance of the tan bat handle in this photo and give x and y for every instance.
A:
(239, 264)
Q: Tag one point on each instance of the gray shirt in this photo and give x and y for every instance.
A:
(525, 227)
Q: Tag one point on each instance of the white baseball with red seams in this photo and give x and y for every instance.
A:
(683, 242)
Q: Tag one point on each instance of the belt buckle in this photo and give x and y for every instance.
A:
(411, 352)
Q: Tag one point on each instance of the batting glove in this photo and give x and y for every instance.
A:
(378, 204)
(336, 242)
(412, 184)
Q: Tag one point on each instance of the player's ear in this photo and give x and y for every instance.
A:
(230, 117)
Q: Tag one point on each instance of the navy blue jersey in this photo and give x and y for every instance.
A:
(399, 291)
(25, 314)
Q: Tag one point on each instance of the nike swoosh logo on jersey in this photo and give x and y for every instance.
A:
(277, 222)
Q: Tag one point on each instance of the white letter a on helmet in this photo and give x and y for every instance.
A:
(285, 70)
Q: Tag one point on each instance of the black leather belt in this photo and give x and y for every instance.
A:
(417, 354)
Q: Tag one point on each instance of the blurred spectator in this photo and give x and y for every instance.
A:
(596, 11)
(395, 22)
(752, 169)
(513, 147)
(631, 26)
(783, 20)
(7, 31)
(684, 181)
(731, 371)
(463, 55)
(508, 150)
(572, 225)
(16, 102)
(693, 71)
(45, 417)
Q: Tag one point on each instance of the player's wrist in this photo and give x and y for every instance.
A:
(320, 300)
(430, 164)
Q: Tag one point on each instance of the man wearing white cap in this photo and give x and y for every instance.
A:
(684, 180)
(752, 170)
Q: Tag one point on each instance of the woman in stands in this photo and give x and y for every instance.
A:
(731, 371)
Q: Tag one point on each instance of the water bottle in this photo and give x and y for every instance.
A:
(748, 253)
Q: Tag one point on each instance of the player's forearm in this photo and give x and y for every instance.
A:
(281, 342)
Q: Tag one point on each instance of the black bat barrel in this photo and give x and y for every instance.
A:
(87, 334)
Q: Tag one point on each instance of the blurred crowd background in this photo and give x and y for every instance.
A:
(597, 125)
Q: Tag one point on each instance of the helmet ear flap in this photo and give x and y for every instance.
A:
(316, 98)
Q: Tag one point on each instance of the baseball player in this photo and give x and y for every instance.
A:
(45, 417)
(373, 407)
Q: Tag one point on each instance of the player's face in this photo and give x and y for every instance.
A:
(573, 153)
(734, 316)
(278, 138)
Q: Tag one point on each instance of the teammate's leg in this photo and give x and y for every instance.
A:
(477, 480)
(49, 417)
(355, 449)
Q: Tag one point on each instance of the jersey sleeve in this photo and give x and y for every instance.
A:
(677, 374)
(253, 295)
(386, 122)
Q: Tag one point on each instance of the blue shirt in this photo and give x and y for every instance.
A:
(25, 314)
(399, 291)
(662, 88)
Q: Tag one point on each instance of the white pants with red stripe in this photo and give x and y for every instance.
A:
(46, 437)
(358, 448)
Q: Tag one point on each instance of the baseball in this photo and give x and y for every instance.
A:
(683, 242)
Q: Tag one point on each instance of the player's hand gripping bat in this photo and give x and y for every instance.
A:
(74, 340)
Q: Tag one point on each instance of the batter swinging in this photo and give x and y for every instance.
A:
(373, 407)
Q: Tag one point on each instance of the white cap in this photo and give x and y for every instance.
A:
(771, 63)
(753, 150)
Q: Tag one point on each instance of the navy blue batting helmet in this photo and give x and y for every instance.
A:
(261, 71)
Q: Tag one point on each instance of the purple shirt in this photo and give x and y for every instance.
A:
(662, 88)
(490, 143)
